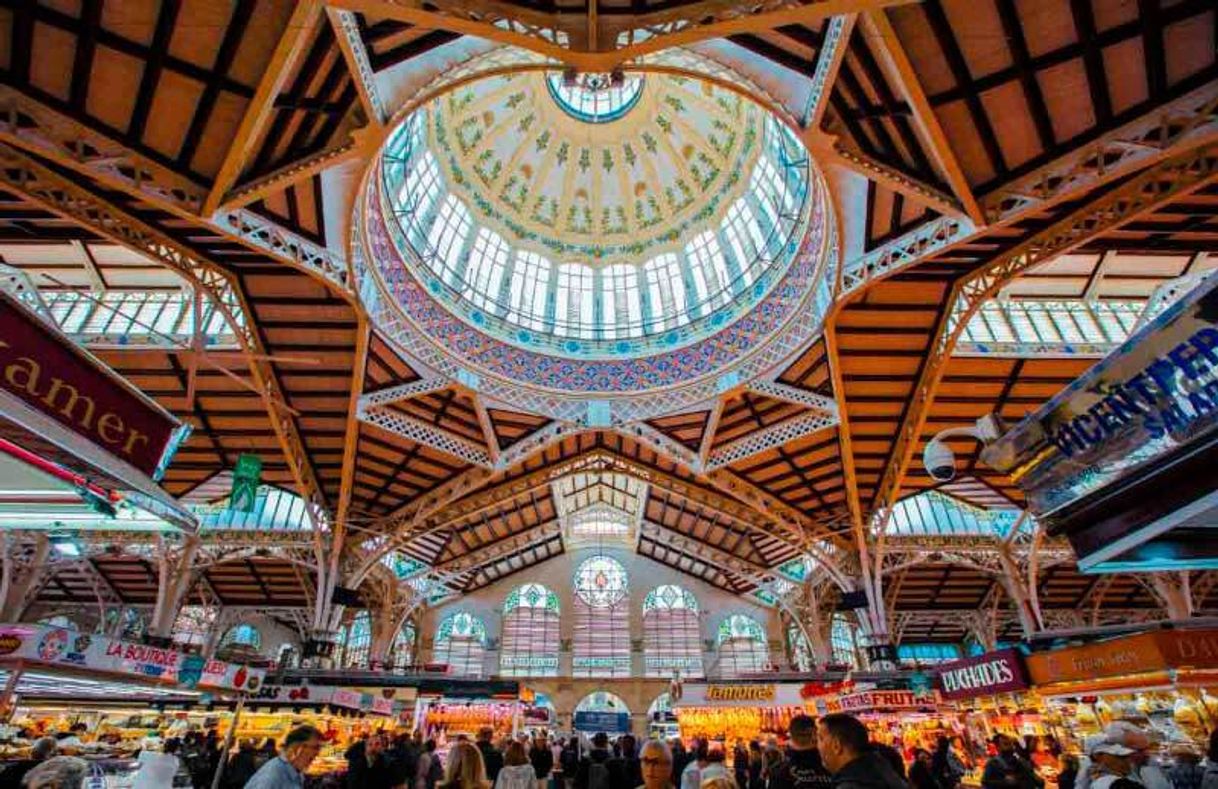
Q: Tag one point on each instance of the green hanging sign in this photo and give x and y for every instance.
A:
(247, 475)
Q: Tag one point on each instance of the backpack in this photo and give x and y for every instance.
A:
(598, 775)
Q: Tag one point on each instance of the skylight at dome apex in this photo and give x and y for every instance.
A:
(595, 220)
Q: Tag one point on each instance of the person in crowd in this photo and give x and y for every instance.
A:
(755, 764)
(680, 758)
(43, 749)
(541, 757)
(372, 768)
(1111, 765)
(842, 741)
(740, 764)
(286, 770)
(268, 751)
(773, 763)
(158, 769)
(1007, 769)
(556, 748)
(428, 770)
(803, 767)
(1209, 780)
(945, 765)
(465, 769)
(921, 775)
(624, 767)
(724, 781)
(593, 771)
(891, 755)
(655, 763)
(58, 772)
(569, 761)
(492, 757)
(517, 772)
(1069, 771)
(242, 766)
(699, 760)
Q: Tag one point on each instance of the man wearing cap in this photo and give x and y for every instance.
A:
(1111, 765)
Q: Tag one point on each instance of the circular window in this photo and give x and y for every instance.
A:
(600, 581)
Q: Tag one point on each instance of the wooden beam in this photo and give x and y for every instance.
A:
(292, 43)
(878, 27)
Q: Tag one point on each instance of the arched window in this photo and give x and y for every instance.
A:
(193, 624)
(801, 651)
(742, 647)
(461, 644)
(356, 642)
(672, 633)
(243, 635)
(530, 642)
(602, 619)
(402, 652)
(843, 643)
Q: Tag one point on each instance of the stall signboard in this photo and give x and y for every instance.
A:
(608, 722)
(57, 646)
(876, 700)
(1146, 401)
(1137, 654)
(53, 376)
(740, 695)
(1001, 671)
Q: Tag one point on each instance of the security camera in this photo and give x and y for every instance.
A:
(938, 458)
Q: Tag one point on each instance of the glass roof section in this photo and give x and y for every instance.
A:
(932, 513)
(1030, 326)
(535, 219)
(135, 317)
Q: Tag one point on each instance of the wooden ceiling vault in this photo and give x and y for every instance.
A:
(983, 140)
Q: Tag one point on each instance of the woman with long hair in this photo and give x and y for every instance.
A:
(465, 769)
(517, 772)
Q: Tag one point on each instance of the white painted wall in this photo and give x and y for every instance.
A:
(643, 574)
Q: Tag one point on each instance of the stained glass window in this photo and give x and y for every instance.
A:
(356, 641)
(245, 635)
(401, 654)
(801, 650)
(530, 642)
(602, 619)
(595, 97)
(461, 644)
(843, 643)
(672, 633)
(192, 625)
(743, 649)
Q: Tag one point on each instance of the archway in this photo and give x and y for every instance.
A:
(602, 711)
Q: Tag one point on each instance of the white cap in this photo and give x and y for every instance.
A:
(1099, 743)
(1128, 734)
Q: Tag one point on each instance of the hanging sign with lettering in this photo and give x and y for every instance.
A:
(1157, 392)
(52, 375)
(993, 672)
(762, 694)
(57, 646)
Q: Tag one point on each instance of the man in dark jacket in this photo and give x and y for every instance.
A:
(492, 759)
(843, 743)
(586, 777)
(541, 757)
(803, 768)
(371, 767)
(625, 765)
(1009, 770)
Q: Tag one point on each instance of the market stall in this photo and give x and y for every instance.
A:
(1163, 679)
(730, 712)
(903, 718)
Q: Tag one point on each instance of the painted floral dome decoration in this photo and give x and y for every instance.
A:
(591, 233)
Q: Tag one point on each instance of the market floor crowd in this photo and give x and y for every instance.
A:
(834, 752)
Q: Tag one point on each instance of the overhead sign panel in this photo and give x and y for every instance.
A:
(51, 374)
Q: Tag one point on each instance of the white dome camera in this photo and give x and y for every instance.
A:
(938, 457)
(939, 460)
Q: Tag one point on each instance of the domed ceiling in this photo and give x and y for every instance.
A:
(594, 233)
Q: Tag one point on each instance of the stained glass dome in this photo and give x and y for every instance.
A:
(580, 233)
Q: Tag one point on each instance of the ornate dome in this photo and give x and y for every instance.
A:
(592, 233)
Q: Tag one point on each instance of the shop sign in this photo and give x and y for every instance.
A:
(52, 375)
(1158, 391)
(694, 694)
(61, 647)
(608, 722)
(880, 699)
(993, 672)
(1145, 652)
(347, 697)
(393, 693)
